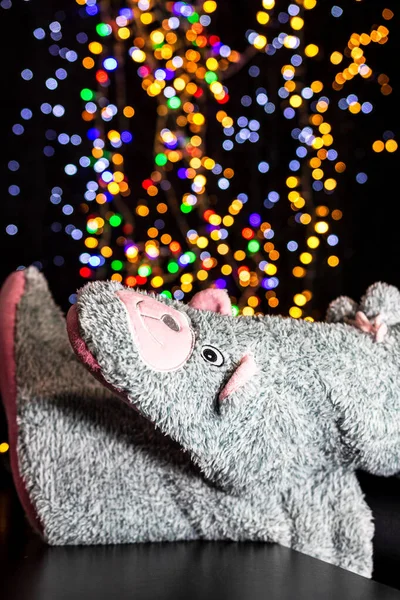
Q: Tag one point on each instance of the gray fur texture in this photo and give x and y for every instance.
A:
(323, 403)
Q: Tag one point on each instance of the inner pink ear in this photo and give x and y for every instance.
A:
(212, 299)
(243, 374)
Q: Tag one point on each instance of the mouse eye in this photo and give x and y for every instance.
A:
(170, 322)
(212, 355)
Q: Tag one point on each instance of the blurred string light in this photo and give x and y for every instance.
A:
(317, 164)
(180, 236)
(183, 66)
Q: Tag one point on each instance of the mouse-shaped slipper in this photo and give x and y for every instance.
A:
(276, 412)
(88, 469)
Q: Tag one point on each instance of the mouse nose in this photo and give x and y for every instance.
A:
(161, 334)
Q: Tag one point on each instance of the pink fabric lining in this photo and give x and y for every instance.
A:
(86, 357)
(10, 296)
(77, 342)
(212, 299)
(242, 375)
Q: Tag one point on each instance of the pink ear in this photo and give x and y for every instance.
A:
(212, 299)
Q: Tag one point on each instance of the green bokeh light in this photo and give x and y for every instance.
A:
(117, 265)
(235, 310)
(210, 77)
(253, 246)
(144, 270)
(174, 102)
(115, 220)
(103, 29)
(87, 94)
(161, 159)
(173, 267)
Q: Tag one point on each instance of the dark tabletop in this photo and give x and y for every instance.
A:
(30, 570)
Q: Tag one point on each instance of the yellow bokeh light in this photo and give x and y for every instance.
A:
(248, 311)
(310, 4)
(313, 242)
(317, 174)
(198, 119)
(296, 101)
(324, 128)
(300, 299)
(296, 23)
(295, 312)
(262, 17)
(305, 219)
(186, 278)
(378, 146)
(113, 188)
(212, 64)
(202, 242)
(223, 249)
(333, 261)
(179, 84)
(138, 55)
(131, 252)
(4, 447)
(157, 281)
(226, 270)
(146, 18)
(239, 255)
(215, 220)
(91, 242)
(106, 251)
(321, 227)
(291, 41)
(157, 37)
(311, 50)
(317, 86)
(202, 275)
(123, 33)
(209, 6)
(253, 301)
(336, 58)
(95, 48)
(292, 182)
(391, 145)
(209, 163)
(260, 41)
(330, 184)
(142, 210)
(216, 88)
(306, 258)
(270, 269)
(268, 4)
